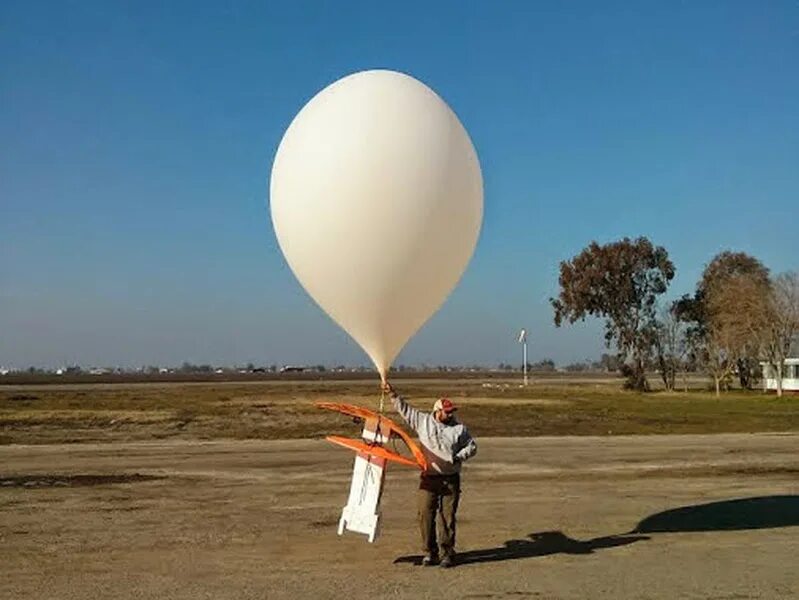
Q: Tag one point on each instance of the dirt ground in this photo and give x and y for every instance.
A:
(694, 516)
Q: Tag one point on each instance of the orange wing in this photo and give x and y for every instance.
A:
(350, 410)
(372, 450)
(387, 426)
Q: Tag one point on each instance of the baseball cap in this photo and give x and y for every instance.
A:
(445, 404)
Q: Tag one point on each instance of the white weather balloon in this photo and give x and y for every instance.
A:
(377, 201)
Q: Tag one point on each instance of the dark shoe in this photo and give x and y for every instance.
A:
(429, 560)
(447, 562)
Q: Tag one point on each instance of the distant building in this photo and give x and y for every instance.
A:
(790, 376)
(292, 369)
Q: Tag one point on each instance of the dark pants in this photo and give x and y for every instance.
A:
(438, 497)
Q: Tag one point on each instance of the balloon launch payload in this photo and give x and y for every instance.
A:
(361, 514)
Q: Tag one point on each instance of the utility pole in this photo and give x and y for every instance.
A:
(523, 342)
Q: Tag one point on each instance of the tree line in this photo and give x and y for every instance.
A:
(739, 314)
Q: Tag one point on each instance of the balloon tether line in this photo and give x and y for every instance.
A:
(382, 390)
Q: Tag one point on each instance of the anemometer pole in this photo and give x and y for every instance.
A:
(523, 342)
(525, 361)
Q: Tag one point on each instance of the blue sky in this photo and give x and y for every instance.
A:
(136, 142)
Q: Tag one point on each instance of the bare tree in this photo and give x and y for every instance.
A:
(721, 351)
(737, 315)
(783, 323)
(726, 317)
(670, 346)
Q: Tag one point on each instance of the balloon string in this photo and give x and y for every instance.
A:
(382, 390)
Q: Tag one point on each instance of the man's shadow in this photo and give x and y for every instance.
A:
(729, 515)
(536, 544)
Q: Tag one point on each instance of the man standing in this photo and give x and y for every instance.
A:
(446, 443)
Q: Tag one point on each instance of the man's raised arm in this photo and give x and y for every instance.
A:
(413, 417)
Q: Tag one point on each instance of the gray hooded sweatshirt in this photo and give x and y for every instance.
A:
(445, 446)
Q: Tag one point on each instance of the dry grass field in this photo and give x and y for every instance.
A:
(105, 412)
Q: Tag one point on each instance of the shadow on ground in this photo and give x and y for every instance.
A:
(764, 512)
(537, 544)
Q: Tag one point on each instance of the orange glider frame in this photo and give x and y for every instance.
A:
(384, 427)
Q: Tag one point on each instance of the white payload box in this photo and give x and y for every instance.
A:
(362, 512)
